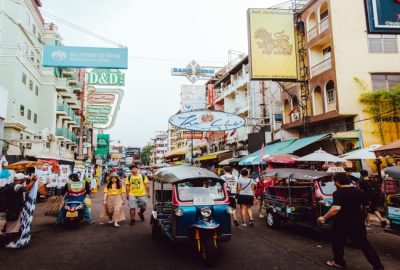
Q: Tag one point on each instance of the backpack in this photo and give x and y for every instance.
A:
(3, 198)
(143, 176)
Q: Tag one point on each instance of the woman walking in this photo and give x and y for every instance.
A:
(114, 199)
(246, 197)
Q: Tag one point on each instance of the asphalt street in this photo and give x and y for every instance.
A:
(101, 246)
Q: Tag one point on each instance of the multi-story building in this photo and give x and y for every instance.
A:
(3, 113)
(43, 109)
(160, 147)
(343, 62)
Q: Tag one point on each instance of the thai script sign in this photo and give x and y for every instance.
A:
(204, 120)
(103, 144)
(99, 109)
(272, 49)
(106, 77)
(85, 57)
(133, 152)
(187, 135)
(193, 97)
(101, 98)
(193, 72)
(383, 16)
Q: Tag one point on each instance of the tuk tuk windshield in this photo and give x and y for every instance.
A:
(327, 186)
(200, 187)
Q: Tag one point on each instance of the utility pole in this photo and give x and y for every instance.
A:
(82, 125)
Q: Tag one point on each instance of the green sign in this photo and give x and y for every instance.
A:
(99, 109)
(106, 77)
(383, 16)
(103, 144)
(97, 119)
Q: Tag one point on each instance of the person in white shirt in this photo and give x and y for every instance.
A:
(246, 197)
(231, 184)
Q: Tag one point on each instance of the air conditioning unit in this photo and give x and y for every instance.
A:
(28, 145)
(296, 116)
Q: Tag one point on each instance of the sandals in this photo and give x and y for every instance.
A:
(251, 222)
(334, 265)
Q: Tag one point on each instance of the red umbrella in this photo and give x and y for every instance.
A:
(282, 159)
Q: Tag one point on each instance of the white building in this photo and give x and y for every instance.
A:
(41, 119)
(160, 143)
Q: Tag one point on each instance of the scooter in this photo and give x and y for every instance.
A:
(73, 213)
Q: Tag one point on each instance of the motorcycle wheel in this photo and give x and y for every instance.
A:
(209, 251)
(273, 220)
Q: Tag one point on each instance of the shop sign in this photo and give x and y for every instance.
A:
(103, 144)
(205, 120)
(383, 16)
(106, 77)
(101, 98)
(99, 109)
(210, 94)
(188, 135)
(133, 152)
(97, 119)
(85, 57)
(193, 72)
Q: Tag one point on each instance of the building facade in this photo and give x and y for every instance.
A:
(160, 147)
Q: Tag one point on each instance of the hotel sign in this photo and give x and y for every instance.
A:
(383, 16)
(193, 72)
(106, 77)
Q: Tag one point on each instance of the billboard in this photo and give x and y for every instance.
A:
(383, 16)
(272, 44)
(103, 145)
(106, 77)
(187, 135)
(193, 72)
(133, 152)
(84, 57)
(204, 120)
(193, 97)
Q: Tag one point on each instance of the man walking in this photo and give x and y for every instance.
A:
(138, 190)
(231, 185)
(14, 205)
(347, 211)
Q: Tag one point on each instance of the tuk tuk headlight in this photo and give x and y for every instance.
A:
(229, 210)
(206, 212)
(178, 212)
(67, 208)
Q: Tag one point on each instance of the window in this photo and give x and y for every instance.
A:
(32, 57)
(29, 114)
(330, 92)
(22, 110)
(30, 85)
(35, 118)
(324, 15)
(21, 136)
(34, 29)
(326, 53)
(24, 78)
(36, 90)
(40, 38)
(385, 81)
(382, 44)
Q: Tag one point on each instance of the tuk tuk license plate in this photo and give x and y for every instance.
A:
(71, 214)
(394, 212)
(203, 200)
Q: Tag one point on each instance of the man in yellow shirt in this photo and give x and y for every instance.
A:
(137, 187)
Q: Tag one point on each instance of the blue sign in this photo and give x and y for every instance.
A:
(383, 16)
(85, 57)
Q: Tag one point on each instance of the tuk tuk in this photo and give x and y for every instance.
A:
(298, 196)
(392, 198)
(191, 203)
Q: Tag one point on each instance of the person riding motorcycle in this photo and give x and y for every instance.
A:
(75, 190)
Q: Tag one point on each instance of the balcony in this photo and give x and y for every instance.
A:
(313, 33)
(62, 109)
(319, 29)
(62, 132)
(321, 67)
(324, 25)
(61, 84)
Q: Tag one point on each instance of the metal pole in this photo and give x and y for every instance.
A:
(191, 136)
(83, 92)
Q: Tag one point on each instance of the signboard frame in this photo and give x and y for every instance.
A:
(373, 11)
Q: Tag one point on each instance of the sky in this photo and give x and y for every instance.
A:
(159, 35)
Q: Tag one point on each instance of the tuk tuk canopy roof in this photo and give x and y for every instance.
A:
(393, 172)
(181, 173)
(296, 174)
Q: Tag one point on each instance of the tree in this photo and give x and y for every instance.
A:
(146, 154)
(383, 105)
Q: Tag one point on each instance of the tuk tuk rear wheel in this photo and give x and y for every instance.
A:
(273, 220)
(209, 251)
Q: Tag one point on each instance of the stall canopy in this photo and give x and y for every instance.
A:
(321, 156)
(303, 142)
(177, 152)
(267, 151)
(391, 149)
(220, 155)
(229, 161)
(364, 153)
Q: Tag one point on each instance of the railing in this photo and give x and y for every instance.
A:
(312, 33)
(324, 25)
(321, 67)
(62, 132)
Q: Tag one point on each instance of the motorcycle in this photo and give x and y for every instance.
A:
(73, 213)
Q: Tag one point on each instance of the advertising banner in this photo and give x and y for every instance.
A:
(193, 97)
(106, 77)
(193, 72)
(383, 16)
(133, 152)
(272, 44)
(210, 94)
(187, 135)
(85, 57)
(103, 145)
(205, 120)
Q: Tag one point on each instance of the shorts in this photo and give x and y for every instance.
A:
(232, 202)
(245, 200)
(137, 202)
(13, 226)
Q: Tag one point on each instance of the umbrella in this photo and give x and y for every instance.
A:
(25, 164)
(364, 153)
(391, 149)
(393, 172)
(321, 156)
(282, 159)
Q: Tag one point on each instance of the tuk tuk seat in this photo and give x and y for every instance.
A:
(299, 194)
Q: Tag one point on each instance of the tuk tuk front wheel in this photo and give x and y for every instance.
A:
(273, 220)
(209, 251)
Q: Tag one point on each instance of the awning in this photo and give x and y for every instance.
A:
(269, 150)
(229, 161)
(220, 155)
(177, 152)
(391, 149)
(303, 142)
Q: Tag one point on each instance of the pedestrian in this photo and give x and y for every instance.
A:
(246, 197)
(137, 187)
(114, 200)
(75, 190)
(373, 191)
(259, 192)
(14, 205)
(231, 185)
(348, 220)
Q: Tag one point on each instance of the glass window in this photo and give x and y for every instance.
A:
(35, 118)
(385, 81)
(330, 95)
(37, 90)
(30, 85)
(327, 186)
(29, 114)
(200, 188)
(33, 28)
(21, 110)
(382, 44)
(24, 78)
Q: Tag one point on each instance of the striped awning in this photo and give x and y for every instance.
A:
(177, 152)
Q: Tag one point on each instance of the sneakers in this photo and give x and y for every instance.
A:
(244, 224)
(11, 245)
(251, 222)
(261, 216)
(56, 225)
(91, 222)
(116, 225)
(235, 222)
(141, 216)
(132, 222)
(110, 222)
